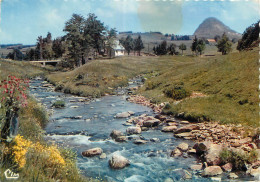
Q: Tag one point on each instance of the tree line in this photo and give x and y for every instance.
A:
(130, 44)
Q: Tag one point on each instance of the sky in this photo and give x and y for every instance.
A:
(22, 21)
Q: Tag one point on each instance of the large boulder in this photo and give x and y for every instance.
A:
(118, 162)
(133, 130)
(201, 148)
(212, 171)
(187, 128)
(116, 133)
(212, 155)
(169, 128)
(92, 152)
(151, 122)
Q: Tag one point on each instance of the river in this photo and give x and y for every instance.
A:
(84, 125)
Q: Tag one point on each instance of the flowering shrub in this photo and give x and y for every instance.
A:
(13, 94)
(13, 98)
(50, 154)
(20, 149)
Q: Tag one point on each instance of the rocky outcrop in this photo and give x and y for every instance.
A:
(212, 171)
(212, 154)
(92, 152)
(118, 162)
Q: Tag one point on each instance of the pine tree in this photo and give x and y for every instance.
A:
(138, 45)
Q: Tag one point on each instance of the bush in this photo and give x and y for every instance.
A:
(177, 92)
(151, 85)
(58, 104)
(238, 159)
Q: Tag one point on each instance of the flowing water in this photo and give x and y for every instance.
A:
(149, 162)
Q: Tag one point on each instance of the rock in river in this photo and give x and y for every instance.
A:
(138, 142)
(151, 122)
(92, 152)
(122, 115)
(133, 130)
(212, 171)
(183, 147)
(118, 162)
(169, 128)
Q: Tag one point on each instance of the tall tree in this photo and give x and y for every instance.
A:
(58, 47)
(224, 45)
(200, 46)
(128, 44)
(75, 38)
(47, 47)
(171, 49)
(111, 39)
(182, 47)
(95, 29)
(39, 47)
(194, 45)
(250, 35)
(138, 45)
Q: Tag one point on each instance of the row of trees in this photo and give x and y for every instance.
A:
(163, 49)
(198, 46)
(131, 44)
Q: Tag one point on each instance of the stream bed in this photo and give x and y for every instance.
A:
(85, 124)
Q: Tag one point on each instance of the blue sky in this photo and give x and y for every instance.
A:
(22, 21)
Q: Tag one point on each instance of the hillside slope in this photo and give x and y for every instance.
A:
(229, 84)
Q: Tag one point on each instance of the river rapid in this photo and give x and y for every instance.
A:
(87, 123)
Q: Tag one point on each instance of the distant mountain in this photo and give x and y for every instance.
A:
(211, 27)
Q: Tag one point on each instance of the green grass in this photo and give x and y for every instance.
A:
(59, 104)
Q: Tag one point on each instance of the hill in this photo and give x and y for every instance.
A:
(211, 27)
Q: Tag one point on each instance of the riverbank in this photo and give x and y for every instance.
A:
(28, 154)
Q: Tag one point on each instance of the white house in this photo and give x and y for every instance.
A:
(119, 49)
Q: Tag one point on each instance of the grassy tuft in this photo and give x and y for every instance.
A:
(59, 104)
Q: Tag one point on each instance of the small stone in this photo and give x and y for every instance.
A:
(227, 167)
(212, 171)
(176, 153)
(184, 122)
(232, 176)
(144, 128)
(154, 140)
(169, 128)
(139, 142)
(191, 151)
(103, 156)
(133, 130)
(92, 152)
(169, 180)
(120, 139)
(118, 162)
(74, 106)
(183, 147)
(196, 167)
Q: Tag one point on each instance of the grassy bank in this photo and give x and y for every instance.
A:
(28, 154)
(228, 83)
